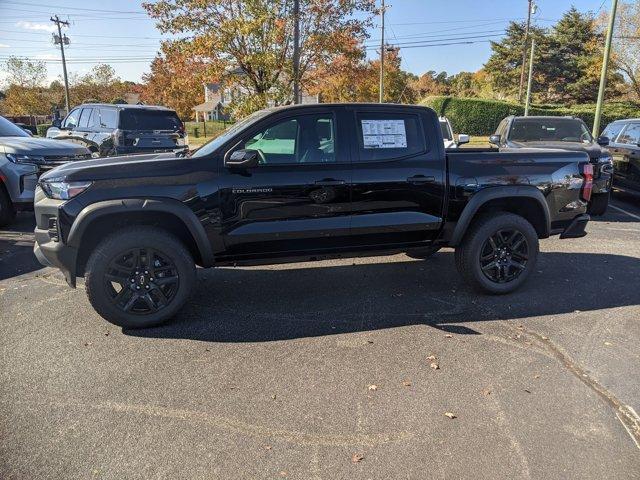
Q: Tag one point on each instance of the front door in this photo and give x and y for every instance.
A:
(298, 197)
(398, 177)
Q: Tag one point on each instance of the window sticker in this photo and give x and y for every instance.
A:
(384, 134)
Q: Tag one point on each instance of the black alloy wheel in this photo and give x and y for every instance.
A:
(504, 255)
(142, 281)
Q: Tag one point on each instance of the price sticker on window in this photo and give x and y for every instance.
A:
(384, 134)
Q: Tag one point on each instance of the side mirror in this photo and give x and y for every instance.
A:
(56, 123)
(463, 138)
(495, 139)
(242, 159)
(603, 141)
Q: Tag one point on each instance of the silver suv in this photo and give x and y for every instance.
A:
(23, 159)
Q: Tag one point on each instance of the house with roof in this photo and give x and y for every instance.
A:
(216, 99)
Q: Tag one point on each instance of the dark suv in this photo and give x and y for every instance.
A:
(109, 130)
(566, 133)
(624, 146)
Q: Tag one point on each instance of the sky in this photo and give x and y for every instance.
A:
(119, 32)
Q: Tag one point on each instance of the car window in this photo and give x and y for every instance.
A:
(631, 135)
(613, 130)
(94, 119)
(549, 130)
(108, 118)
(85, 114)
(446, 131)
(302, 139)
(386, 136)
(72, 119)
(141, 119)
(501, 128)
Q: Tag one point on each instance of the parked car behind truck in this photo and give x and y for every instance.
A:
(108, 130)
(448, 136)
(567, 133)
(624, 147)
(379, 183)
(22, 159)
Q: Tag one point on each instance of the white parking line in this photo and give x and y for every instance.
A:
(632, 215)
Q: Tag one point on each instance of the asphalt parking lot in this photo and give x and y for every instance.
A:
(324, 371)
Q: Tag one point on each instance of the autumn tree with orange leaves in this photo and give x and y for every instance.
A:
(248, 44)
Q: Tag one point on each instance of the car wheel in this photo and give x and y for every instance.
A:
(598, 204)
(139, 277)
(498, 253)
(423, 253)
(7, 211)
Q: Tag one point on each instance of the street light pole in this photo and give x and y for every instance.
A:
(62, 40)
(381, 90)
(605, 65)
(524, 50)
(530, 81)
(296, 51)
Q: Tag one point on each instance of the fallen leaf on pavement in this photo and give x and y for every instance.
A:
(486, 392)
(267, 447)
(448, 335)
(536, 376)
(450, 415)
(406, 383)
(431, 357)
(373, 387)
(528, 391)
(608, 344)
(357, 458)
(435, 366)
(273, 397)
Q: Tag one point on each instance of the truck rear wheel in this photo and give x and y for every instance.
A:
(498, 253)
(7, 211)
(139, 277)
(598, 204)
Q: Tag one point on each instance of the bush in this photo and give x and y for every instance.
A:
(475, 116)
(42, 129)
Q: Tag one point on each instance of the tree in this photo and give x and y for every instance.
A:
(100, 84)
(254, 38)
(431, 83)
(176, 80)
(626, 44)
(25, 94)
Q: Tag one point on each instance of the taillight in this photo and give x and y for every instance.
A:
(587, 184)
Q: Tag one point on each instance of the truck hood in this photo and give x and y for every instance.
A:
(593, 149)
(136, 166)
(40, 146)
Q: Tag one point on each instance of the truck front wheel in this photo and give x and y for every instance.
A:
(139, 277)
(498, 253)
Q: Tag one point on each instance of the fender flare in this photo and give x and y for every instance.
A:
(127, 205)
(487, 194)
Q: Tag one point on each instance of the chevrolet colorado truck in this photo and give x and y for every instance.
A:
(302, 183)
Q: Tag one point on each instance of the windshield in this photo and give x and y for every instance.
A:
(8, 129)
(221, 139)
(446, 133)
(549, 130)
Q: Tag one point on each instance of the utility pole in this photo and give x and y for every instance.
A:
(296, 51)
(62, 40)
(381, 99)
(605, 65)
(530, 81)
(524, 48)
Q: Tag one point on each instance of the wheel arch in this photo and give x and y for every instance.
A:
(103, 218)
(526, 201)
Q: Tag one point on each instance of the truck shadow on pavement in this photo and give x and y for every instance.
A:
(264, 304)
(16, 248)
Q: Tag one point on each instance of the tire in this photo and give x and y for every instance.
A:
(131, 262)
(476, 251)
(423, 253)
(598, 204)
(7, 211)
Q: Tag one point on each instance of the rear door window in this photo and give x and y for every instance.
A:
(140, 119)
(389, 136)
(108, 118)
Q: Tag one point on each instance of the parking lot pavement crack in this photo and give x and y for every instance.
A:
(626, 414)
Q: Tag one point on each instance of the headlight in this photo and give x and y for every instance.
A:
(63, 190)
(28, 159)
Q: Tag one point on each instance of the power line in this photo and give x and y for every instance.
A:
(76, 8)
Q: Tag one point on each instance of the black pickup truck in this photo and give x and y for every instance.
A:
(303, 182)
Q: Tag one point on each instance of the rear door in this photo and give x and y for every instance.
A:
(297, 198)
(398, 176)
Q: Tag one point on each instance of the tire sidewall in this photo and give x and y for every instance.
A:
(119, 243)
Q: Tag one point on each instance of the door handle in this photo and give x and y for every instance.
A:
(327, 182)
(420, 179)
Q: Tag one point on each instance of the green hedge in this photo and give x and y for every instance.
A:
(475, 116)
(42, 129)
